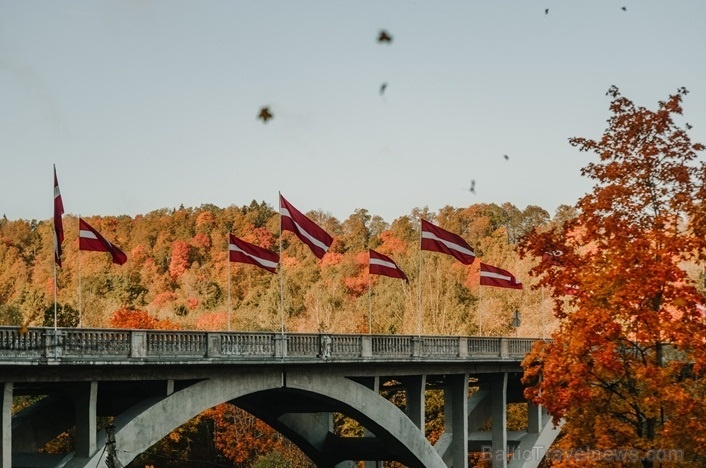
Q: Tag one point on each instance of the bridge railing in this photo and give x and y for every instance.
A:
(82, 344)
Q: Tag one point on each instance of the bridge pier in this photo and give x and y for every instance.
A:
(85, 396)
(456, 419)
(6, 426)
(499, 416)
(414, 393)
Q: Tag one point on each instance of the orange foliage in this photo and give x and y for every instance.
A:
(205, 219)
(261, 237)
(138, 254)
(331, 259)
(201, 241)
(180, 259)
(212, 321)
(289, 262)
(139, 319)
(356, 285)
(241, 437)
(164, 298)
(391, 245)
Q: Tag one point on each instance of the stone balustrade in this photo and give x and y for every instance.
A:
(86, 345)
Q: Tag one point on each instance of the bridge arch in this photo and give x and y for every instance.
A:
(144, 425)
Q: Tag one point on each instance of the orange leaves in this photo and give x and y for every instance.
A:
(180, 259)
(241, 437)
(212, 321)
(138, 319)
(356, 285)
(331, 259)
(261, 237)
(391, 245)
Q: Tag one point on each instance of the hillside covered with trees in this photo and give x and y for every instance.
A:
(177, 271)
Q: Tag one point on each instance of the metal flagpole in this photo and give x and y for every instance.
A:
(419, 282)
(480, 312)
(228, 259)
(370, 306)
(281, 270)
(79, 271)
(55, 243)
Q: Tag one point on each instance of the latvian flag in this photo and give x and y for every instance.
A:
(383, 265)
(58, 224)
(493, 276)
(306, 230)
(439, 240)
(90, 239)
(245, 252)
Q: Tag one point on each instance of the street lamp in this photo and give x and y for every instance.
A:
(516, 321)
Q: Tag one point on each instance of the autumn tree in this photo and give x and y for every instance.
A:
(625, 369)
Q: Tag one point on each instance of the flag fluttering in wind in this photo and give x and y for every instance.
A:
(439, 240)
(245, 252)
(90, 239)
(493, 276)
(383, 265)
(58, 224)
(306, 230)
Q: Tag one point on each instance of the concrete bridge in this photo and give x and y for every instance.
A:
(151, 382)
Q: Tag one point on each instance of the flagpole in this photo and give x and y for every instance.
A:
(281, 270)
(79, 271)
(419, 282)
(370, 306)
(55, 243)
(480, 312)
(228, 259)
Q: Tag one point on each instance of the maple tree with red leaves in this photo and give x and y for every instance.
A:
(625, 369)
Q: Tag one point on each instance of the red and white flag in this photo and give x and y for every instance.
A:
(306, 230)
(245, 252)
(493, 276)
(58, 224)
(439, 240)
(383, 265)
(90, 239)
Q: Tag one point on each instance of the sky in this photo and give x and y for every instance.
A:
(151, 104)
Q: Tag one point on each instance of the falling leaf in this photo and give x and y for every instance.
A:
(265, 114)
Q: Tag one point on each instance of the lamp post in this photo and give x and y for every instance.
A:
(516, 321)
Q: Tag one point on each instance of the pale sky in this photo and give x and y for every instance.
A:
(149, 104)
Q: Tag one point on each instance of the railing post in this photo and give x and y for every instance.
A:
(367, 346)
(213, 345)
(504, 348)
(53, 344)
(463, 347)
(138, 344)
(417, 342)
(281, 346)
